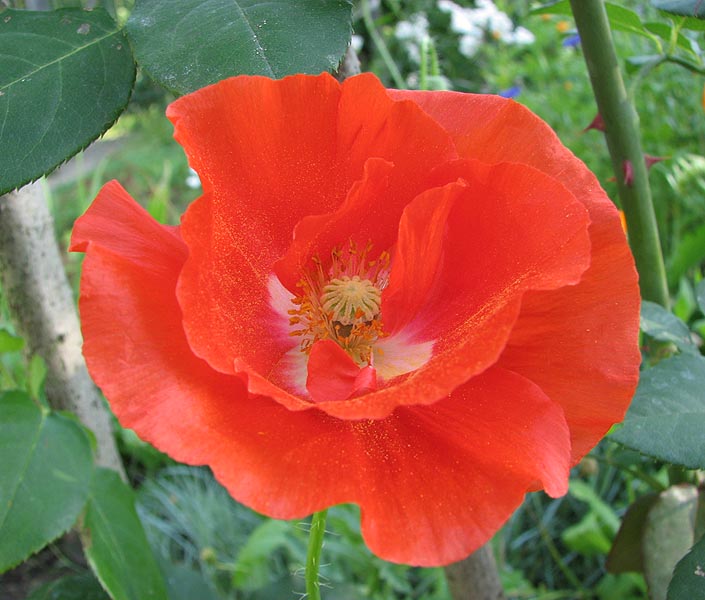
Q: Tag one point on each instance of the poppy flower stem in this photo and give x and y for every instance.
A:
(624, 144)
(313, 556)
(378, 41)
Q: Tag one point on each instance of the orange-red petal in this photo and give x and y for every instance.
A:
(579, 343)
(134, 344)
(333, 375)
(269, 154)
(466, 254)
(434, 482)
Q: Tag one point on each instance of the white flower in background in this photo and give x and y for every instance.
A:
(412, 33)
(470, 43)
(473, 23)
(192, 179)
(523, 37)
(356, 42)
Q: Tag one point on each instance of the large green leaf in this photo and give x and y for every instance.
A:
(664, 326)
(44, 476)
(667, 417)
(115, 543)
(687, 8)
(626, 554)
(192, 43)
(66, 76)
(689, 575)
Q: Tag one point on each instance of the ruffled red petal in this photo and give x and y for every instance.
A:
(333, 375)
(357, 221)
(499, 231)
(134, 344)
(271, 153)
(579, 343)
(434, 482)
(466, 255)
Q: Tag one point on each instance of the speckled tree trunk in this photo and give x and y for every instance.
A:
(476, 577)
(41, 302)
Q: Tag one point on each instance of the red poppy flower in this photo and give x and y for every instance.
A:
(419, 302)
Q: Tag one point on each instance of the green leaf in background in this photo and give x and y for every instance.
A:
(115, 543)
(36, 374)
(664, 326)
(252, 567)
(66, 76)
(666, 419)
(700, 296)
(668, 535)
(665, 32)
(625, 555)
(185, 583)
(192, 43)
(689, 575)
(44, 476)
(73, 587)
(689, 253)
(687, 8)
(587, 537)
(9, 342)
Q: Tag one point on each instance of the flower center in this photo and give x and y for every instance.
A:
(348, 300)
(342, 303)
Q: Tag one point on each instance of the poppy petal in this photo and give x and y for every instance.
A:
(272, 162)
(333, 375)
(569, 344)
(587, 333)
(504, 227)
(316, 235)
(134, 344)
(434, 482)
(459, 468)
(137, 235)
(473, 248)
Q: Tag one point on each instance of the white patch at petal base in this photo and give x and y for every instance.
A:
(292, 369)
(398, 354)
(280, 301)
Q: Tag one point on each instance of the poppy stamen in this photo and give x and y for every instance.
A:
(342, 302)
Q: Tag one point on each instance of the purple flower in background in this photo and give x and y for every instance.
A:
(571, 41)
(511, 92)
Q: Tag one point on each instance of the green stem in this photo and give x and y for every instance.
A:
(313, 556)
(435, 65)
(381, 46)
(423, 68)
(686, 64)
(624, 144)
